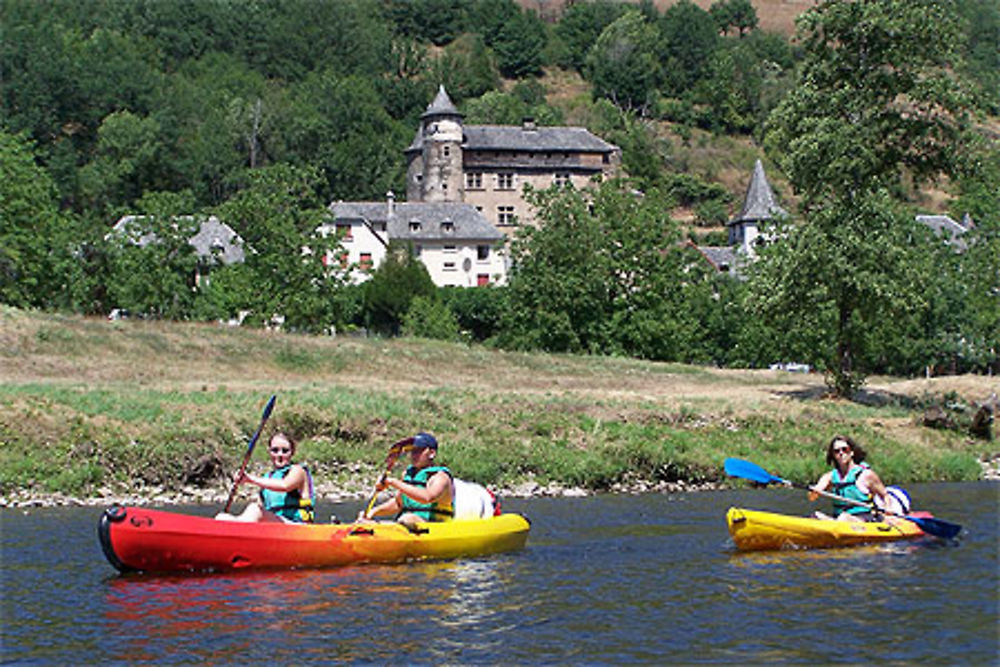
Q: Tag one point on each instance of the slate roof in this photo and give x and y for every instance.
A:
(513, 137)
(722, 258)
(469, 224)
(441, 106)
(944, 226)
(759, 203)
(213, 238)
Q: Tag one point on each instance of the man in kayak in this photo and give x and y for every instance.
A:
(851, 479)
(425, 493)
(286, 493)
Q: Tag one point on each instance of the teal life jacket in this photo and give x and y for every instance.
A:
(289, 505)
(847, 487)
(443, 509)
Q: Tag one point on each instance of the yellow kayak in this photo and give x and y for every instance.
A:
(761, 531)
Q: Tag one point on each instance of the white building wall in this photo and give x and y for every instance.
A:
(458, 264)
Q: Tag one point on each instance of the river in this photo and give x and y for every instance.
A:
(607, 579)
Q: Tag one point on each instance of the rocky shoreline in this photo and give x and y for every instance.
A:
(336, 493)
(326, 493)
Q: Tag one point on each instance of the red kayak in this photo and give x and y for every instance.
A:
(134, 538)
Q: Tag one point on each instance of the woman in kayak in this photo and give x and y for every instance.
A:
(425, 493)
(851, 479)
(286, 493)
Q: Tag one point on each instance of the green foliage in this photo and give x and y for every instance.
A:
(277, 208)
(734, 14)
(478, 311)
(580, 26)
(394, 285)
(866, 110)
(688, 38)
(153, 262)
(28, 208)
(430, 318)
(622, 65)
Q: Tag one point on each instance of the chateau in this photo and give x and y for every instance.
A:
(488, 166)
(465, 194)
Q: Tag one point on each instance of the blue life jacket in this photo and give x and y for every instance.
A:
(443, 509)
(847, 487)
(289, 505)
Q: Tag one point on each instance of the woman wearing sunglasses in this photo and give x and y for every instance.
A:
(851, 479)
(286, 493)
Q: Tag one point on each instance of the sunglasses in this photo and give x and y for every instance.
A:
(841, 450)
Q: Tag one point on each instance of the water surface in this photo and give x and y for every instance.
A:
(604, 579)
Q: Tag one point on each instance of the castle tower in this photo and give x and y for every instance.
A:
(434, 159)
(759, 207)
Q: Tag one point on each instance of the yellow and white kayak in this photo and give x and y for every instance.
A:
(761, 531)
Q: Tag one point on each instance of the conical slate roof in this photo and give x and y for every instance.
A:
(759, 203)
(441, 106)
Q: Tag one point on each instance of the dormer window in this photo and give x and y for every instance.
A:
(414, 226)
(448, 227)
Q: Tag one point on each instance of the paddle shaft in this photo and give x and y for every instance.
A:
(395, 450)
(246, 457)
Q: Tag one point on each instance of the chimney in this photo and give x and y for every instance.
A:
(390, 204)
(528, 124)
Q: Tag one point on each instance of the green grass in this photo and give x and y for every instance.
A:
(86, 404)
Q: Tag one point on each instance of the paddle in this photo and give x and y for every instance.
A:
(754, 473)
(253, 441)
(395, 450)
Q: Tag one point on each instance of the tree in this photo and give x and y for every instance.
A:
(580, 26)
(688, 38)
(738, 14)
(877, 100)
(29, 211)
(598, 275)
(277, 213)
(395, 284)
(622, 65)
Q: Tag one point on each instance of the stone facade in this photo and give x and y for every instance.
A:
(487, 166)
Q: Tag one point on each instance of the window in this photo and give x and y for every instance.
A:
(414, 226)
(449, 266)
(366, 261)
(344, 259)
(450, 248)
(482, 279)
(505, 215)
(344, 232)
(447, 151)
(482, 252)
(474, 180)
(561, 179)
(605, 158)
(505, 181)
(448, 227)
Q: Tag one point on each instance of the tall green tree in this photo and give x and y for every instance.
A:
(278, 214)
(622, 65)
(600, 275)
(30, 219)
(877, 101)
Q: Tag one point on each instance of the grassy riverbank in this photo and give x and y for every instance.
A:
(92, 408)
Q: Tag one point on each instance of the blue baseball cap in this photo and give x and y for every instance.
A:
(421, 440)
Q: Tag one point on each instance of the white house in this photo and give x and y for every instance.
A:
(453, 240)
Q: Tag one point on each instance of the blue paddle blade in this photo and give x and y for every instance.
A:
(936, 527)
(751, 471)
